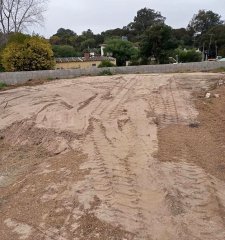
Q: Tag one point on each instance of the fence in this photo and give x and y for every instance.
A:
(22, 77)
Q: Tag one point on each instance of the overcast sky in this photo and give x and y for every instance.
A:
(101, 15)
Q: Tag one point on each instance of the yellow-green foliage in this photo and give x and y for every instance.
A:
(34, 53)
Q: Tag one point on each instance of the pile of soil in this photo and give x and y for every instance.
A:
(201, 143)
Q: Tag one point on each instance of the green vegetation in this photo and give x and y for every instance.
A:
(106, 63)
(105, 72)
(32, 53)
(185, 56)
(145, 18)
(145, 40)
(149, 38)
(157, 41)
(65, 51)
(2, 85)
(122, 50)
(203, 21)
(218, 70)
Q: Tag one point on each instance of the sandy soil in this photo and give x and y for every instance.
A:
(122, 157)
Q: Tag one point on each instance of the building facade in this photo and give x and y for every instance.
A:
(87, 61)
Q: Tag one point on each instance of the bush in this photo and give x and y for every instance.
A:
(2, 85)
(1, 67)
(34, 53)
(106, 72)
(187, 55)
(106, 63)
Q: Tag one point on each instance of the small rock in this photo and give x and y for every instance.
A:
(194, 125)
(221, 82)
(216, 95)
(208, 95)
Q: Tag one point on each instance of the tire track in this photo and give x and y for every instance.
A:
(118, 123)
(197, 193)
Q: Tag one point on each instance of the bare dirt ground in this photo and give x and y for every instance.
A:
(126, 157)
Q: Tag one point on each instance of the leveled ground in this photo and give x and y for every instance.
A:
(123, 157)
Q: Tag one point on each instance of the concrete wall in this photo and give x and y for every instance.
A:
(22, 77)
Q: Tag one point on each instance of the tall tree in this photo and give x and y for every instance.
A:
(122, 50)
(203, 21)
(63, 37)
(213, 41)
(88, 34)
(145, 18)
(17, 15)
(156, 42)
(218, 33)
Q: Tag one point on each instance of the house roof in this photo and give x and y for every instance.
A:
(83, 59)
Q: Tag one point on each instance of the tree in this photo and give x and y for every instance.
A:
(146, 18)
(34, 53)
(189, 55)
(88, 34)
(203, 21)
(18, 15)
(64, 51)
(122, 50)
(113, 33)
(218, 39)
(184, 37)
(87, 44)
(157, 41)
(213, 41)
(64, 37)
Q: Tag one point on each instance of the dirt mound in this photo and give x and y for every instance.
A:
(25, 133)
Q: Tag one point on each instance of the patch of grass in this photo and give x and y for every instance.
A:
(218, 70)
(2, 85)
(50, 78)
(106, 72)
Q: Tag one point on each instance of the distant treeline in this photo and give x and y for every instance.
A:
(151, 39)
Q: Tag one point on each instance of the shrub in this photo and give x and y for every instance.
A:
(106, 72)
(34, 53)
(189, 55)
(106, 63)
(1, 67)
(2, 85)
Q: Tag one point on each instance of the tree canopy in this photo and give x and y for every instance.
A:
(34, 53)
(149, 38)
(204, 20)
(156, 42)
(145, 18)
(121, 50)
(65, 51)
(149, 33)
(18, 15)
